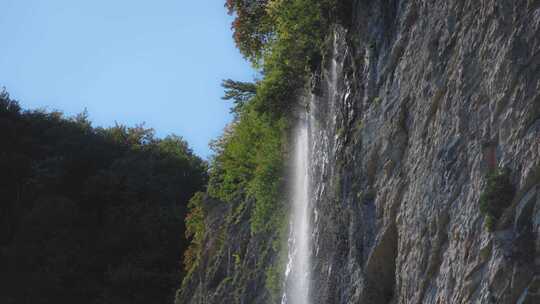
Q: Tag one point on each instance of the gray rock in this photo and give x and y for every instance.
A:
(447, 75)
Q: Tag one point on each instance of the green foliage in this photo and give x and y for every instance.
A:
(252, 26)
(496, 197)
(195, 230)
(234, 163)
(489, 222)
(248, 164)
(237, 259)
(359, 125)
(299, 31)
(273, 281)
(377, 101)
(285, 39)
(90, 215)
(367, 196)
(239, 92)
(259, 23)
(274, 271)
(266, 184)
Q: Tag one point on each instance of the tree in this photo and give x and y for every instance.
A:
(91, 215)
(239, 92)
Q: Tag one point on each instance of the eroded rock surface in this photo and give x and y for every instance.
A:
(425, 90)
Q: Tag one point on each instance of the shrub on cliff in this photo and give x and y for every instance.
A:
(195, 229)
(248, 163)
(496, 197)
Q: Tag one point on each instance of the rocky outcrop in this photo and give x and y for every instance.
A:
(233, 263)
(415, 103)
(431, 95)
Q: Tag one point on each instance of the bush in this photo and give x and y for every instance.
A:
(195, 230)
(248, 164)
(496, 197)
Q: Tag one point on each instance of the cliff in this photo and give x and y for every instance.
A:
(420, 110)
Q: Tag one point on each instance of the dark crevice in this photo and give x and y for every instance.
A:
(381, 268)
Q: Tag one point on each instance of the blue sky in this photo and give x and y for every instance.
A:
(127, 61)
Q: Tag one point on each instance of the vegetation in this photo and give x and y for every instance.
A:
(91, 215)
(195, 230)
(285, 40)
(239, 92)
(248, 164)
(274, 275)
(496, 197)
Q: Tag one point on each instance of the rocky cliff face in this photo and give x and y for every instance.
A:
(414, 105)
(234, 263)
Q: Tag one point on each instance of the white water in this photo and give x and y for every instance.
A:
(297, 276)
(310, 158)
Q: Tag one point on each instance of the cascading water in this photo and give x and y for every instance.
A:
(311, 163)
(298, 267)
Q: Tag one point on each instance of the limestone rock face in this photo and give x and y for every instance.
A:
(429, 97)
(413, 105)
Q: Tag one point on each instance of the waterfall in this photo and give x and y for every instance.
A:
(297, 276)
(313, 146)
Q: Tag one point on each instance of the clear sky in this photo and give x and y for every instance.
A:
(128, 61)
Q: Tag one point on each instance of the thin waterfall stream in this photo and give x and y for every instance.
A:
(298, 267)
(311, 145)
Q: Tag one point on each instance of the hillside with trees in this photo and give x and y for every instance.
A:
(91, 215)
